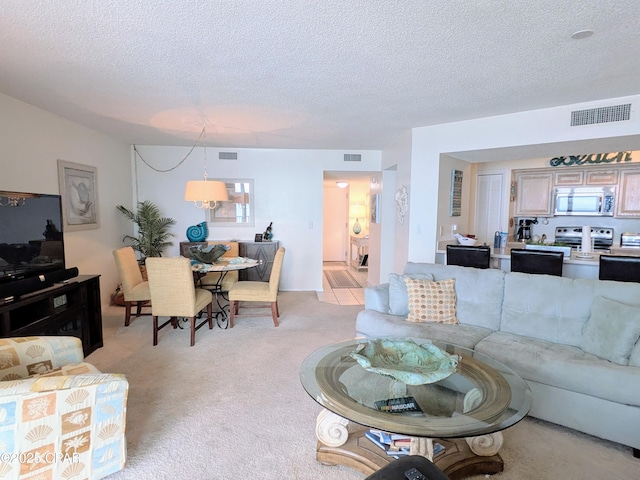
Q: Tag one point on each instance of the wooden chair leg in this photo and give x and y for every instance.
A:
(193, 330)
(127, 313)
(232, 312)
(210, 315)
(274, 313)
(138, 309)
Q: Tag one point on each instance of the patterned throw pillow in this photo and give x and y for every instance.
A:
(432, 301)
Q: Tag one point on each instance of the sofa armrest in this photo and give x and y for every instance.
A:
(377, 298)
(21, 357)
(70, 426)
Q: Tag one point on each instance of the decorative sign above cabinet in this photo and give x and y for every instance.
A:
(593, 158)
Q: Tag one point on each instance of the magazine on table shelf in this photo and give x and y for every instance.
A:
(396, 445)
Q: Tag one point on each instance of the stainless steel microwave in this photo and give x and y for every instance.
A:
(585, 201)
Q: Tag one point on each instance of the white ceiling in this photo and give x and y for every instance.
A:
(339, 74)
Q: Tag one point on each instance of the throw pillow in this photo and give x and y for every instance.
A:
(398, 298)
(612, 330)
(432, 301)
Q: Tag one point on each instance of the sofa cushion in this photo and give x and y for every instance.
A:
(398, 297)
(478, 291)
(431, 301)
(373, 324)
(376, 297)
(564, 366)
(546, 307)
(612, 330)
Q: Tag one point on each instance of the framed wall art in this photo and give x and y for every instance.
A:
(239, 210)
(455, 204)
(375, 208)
(79, 191)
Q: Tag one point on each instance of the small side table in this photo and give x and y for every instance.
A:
(359, 253)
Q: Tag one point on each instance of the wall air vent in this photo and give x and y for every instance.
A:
(227, 155)
(592, 116)
(352, 157)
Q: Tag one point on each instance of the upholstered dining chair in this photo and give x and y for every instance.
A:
(537, 261)
(469, 256)
(621, 268)
(258, 292)
(134, 288)
(173, 295)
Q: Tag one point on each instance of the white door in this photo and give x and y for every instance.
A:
(334, 220)
(488, 207)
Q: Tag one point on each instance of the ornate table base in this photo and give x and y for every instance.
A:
(340, 445)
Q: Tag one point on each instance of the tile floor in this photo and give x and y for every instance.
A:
(343, 296)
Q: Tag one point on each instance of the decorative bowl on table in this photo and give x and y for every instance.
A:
(406, 361)
(208, 254)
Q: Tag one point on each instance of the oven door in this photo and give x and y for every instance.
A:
(574, 203)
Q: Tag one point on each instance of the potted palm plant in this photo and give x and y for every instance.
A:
(154, 230)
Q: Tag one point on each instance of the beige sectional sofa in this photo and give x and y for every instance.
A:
(575, 341)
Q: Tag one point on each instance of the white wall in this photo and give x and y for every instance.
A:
(32, 141)
(392, 237)
(288, 192)
(546, 127)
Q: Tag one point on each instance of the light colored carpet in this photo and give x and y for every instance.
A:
(232, 406)
(341, 279)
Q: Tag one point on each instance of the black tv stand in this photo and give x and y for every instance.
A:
(69, 308)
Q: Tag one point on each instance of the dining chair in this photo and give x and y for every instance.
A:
(174, 295)
(545, 262)
(258, 292)
(134, 288)
(469, 256)
(621, 268)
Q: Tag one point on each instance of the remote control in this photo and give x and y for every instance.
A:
(398, 405)
(414, 474)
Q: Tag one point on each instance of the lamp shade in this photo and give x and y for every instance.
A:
(206, 191)
(357, 211)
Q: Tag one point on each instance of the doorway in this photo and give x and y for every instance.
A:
(334, 221)
(488, 207)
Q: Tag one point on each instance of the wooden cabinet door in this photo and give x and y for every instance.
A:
(569, 178)
(265, 253)
(628, 198)
(601, 177)
(533, 194)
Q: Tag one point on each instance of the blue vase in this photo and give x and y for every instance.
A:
(198, 233)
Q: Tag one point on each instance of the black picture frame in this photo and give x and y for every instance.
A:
(258, 237)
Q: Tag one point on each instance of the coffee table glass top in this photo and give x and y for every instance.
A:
(483, 396)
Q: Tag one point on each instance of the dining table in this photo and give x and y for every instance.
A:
(222, 266)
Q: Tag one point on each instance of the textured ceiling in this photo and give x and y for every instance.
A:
(344, 74)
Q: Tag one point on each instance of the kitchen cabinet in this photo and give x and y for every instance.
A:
(534, 194)
(601, 177)
(596, 176)
(569, 178)
(628, 197)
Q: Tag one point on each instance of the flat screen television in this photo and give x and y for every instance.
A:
(31, 240)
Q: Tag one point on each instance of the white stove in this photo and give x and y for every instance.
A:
(602, 237)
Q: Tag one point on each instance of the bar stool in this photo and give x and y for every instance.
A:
(544, 262)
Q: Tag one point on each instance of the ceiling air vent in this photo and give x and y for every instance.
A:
(352, 157)
(227, 155)
(591, 116)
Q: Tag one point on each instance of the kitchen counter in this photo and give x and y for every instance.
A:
(575, 266)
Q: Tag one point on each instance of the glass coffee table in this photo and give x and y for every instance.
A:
(464, 412)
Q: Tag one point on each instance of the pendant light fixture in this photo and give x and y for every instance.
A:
(205, 193)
